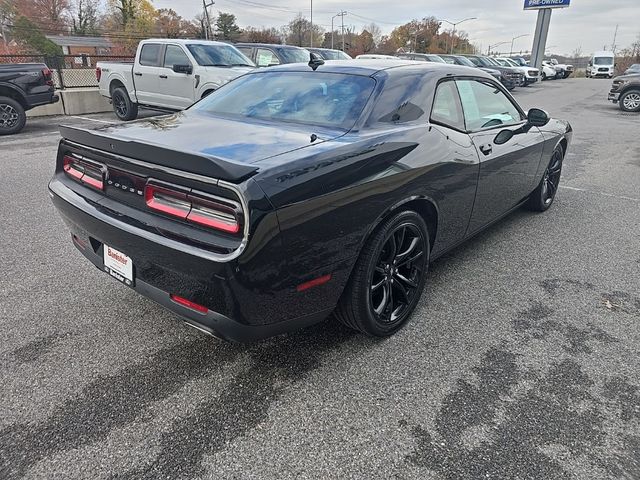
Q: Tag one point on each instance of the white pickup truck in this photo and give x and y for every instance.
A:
(169, 74)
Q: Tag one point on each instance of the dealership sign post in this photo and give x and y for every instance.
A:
(544, 8)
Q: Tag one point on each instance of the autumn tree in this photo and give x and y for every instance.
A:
(84, 17)
(226, 27)
(263, 35)
(33, 39)
(299, 32)
(50, 16)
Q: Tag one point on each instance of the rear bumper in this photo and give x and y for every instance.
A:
(42, 99)
(245, 301)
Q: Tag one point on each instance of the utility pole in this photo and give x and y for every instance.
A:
(343, 32)
(207, 29)
(341, 14)
(615, 36)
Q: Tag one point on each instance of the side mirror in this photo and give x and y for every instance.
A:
(186, 69)
(537, 117)
(503, 137)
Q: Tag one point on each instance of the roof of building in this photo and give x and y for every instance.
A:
(74, 41)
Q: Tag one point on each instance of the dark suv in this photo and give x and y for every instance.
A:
(511, 77)
(268, 55)
(22, 87)
(625, 91)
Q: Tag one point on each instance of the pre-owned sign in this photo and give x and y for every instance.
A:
(538, 4)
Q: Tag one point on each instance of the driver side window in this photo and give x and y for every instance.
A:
(486, 106)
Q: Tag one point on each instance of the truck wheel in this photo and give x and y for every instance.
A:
(629, 101)
(12, 116)
(544, 76)
(123, 107)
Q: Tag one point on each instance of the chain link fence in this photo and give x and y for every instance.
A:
(69, 71)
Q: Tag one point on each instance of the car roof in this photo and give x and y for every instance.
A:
(372, 67)
(273, 45)
(185, 41)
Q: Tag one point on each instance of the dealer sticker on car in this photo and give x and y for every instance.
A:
(118, 265)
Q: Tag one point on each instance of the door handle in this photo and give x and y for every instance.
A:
(163, 76)
(486, 149)
(138, 74)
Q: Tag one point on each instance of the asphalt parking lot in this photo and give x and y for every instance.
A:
(522, 360)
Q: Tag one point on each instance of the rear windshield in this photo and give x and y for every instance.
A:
(324, 99)
(218, 55)
(294, 55)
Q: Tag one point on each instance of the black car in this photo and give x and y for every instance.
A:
(330, 54)
(465, 62)
(297, 191)
(511, 77)
(268, 55)
(22, 87)
(625, 91)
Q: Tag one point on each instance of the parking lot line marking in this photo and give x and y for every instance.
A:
(621, 197)
(91, 119)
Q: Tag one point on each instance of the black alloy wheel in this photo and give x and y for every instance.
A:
(12, 116)
(388, 278)
(123, 107)
(543, 196)
(397, 273)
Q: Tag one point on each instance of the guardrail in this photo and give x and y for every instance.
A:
(69, 71)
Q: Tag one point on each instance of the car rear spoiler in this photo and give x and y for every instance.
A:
(197, 163)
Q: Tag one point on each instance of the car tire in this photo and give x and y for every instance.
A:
(123, 107)
(544, 76)
(381, 272)
(12, 116)
(543, 196)
(630, 101)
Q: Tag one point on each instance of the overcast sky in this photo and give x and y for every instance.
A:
(587, 24)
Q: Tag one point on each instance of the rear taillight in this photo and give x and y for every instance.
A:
(84, 172)
(195, 207)
(98, 74)
(46, 73)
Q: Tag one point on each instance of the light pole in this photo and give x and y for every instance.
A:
(454, 28)
(494, 46)
(207, 30)
(311, 35)
(514, 39)
(341, 14)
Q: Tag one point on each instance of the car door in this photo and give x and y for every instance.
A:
(146, 74)
(177, 89)
(457, 164)
(508, 170)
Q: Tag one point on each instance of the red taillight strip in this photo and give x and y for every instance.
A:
(85, 172)
(201, 209)
(167, 201)
(189, 304)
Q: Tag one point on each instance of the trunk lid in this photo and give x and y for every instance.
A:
(221, 148)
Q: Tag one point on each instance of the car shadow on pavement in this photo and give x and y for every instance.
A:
(113, 401)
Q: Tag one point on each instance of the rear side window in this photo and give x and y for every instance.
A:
(446, 106)
(266, 58)
(403, 99)
(149, 54)
(175, 56)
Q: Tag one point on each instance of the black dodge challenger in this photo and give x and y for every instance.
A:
(301, 190)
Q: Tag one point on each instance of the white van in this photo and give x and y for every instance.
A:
(602, 64)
